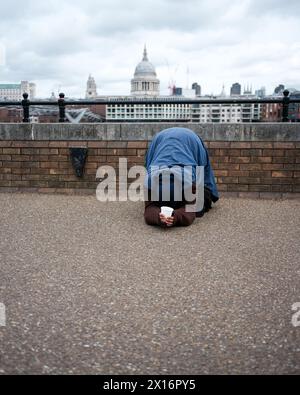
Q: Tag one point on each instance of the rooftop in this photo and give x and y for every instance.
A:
(10, 86)
(83, 278)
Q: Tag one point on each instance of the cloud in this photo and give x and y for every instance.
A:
(58, 43)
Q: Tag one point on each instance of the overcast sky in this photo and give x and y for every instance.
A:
(57, 43)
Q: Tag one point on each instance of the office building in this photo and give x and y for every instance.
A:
(14, 92)
(236, 89)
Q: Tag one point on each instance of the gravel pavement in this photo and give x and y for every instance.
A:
(88, 288)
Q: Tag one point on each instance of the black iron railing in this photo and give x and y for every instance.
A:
(62, 103)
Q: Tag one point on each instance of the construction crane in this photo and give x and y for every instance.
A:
(172, 81)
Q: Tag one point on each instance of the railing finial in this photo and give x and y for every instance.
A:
(285, 106)
(25, 105)
(62, 108)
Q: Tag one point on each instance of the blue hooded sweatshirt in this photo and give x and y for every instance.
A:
(181, 147)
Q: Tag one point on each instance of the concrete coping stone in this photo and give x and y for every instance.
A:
(146, 131)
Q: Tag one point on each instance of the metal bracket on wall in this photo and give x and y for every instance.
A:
(78, 156)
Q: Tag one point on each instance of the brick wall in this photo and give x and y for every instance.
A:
(254, 169)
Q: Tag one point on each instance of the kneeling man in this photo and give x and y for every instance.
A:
(177, 154)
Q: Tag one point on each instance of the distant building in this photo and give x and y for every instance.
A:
(10, 92)
(91, 88)
(294, 108)
(236, 89)
(188, 93)
(177, 91)
(154, 112)
(32, 90)
(197, 88)
(271, 112)
(216, 113)
(13, 115)
(14, 92)
(225, 113)
(145, 82)
(261, 93)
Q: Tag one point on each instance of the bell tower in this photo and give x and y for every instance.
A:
(91, 88)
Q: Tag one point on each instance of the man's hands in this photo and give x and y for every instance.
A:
(168, 221)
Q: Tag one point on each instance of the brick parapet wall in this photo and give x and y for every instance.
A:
(242, 168)
(257, 160)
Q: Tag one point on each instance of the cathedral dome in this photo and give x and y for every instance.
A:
(145, 68)
(145, 81)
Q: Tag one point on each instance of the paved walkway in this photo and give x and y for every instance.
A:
(89, 288)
